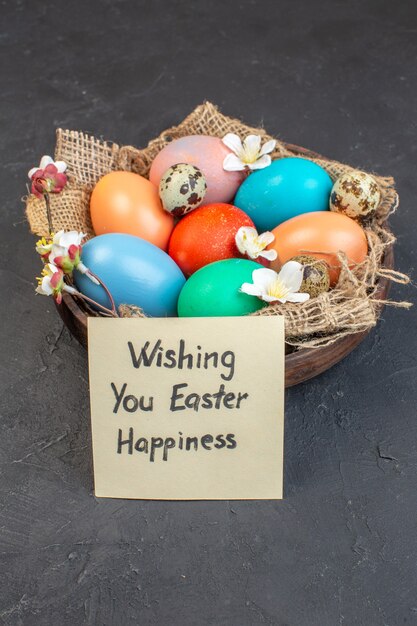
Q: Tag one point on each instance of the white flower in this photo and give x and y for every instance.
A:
(247, 155)
(61, 243)
(272, 287)
(51, 283)
(71, 238)
(44, 287)
(46, 160)
(44, 247)
(253, 245)
(64, 251)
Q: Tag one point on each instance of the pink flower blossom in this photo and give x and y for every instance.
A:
(49, 177)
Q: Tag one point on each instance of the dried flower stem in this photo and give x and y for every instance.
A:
(109, 312)
(48, 212)
(110, 297)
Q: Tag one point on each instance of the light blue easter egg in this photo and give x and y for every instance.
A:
(135, 272)
(286, 188)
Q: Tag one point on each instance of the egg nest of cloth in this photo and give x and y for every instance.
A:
(350, 308)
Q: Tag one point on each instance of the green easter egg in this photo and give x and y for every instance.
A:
(214, 290)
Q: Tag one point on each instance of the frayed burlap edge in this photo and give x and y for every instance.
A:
(349, 308)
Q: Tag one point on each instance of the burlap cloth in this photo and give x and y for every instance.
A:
(348, 308)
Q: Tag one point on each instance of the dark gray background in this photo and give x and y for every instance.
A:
(338, 77)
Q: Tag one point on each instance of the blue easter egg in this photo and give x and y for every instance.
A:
(135, 272)
(286, 188)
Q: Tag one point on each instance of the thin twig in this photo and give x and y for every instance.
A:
(110, 297)
(111, 313)
(48, 212)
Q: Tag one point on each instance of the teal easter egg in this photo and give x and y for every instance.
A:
(135, 272)
(286, 188)
(214, 290)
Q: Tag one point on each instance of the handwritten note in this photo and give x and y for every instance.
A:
(187, 409)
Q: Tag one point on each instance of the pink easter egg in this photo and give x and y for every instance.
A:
(206, 153)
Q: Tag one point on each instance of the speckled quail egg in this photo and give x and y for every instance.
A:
(356, 194)
(182, 188)
(316, 279)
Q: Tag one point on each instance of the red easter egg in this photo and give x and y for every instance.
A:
(205, 235)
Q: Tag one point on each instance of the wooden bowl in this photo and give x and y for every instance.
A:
(300, 365)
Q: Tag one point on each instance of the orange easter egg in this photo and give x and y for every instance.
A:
(124, 202)
(321, 234)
